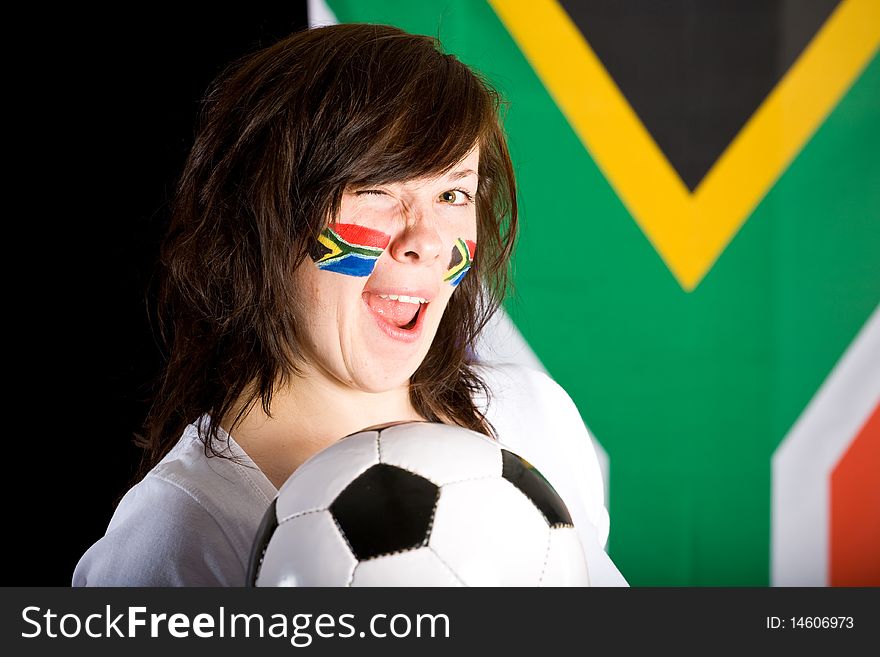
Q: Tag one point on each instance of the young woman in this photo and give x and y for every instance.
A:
(340, 235)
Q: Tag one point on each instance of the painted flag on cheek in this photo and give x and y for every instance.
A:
(349, 249)
(460, 261)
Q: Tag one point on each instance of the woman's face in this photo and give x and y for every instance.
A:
(379, 279)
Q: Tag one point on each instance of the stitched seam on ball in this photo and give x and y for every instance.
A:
(410, 469)
(532, 502)
(437, 483)
(448, 567)
(260, 562)
(431, 519)
(393, 553)
(379, 446)
(459, 481)
(299, 514)
(546, 559)
(344, 537)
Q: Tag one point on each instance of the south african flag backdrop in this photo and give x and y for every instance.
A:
(698, 264)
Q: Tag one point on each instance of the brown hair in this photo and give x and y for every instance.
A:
(283, 131)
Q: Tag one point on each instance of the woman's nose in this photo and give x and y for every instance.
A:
(418, 241)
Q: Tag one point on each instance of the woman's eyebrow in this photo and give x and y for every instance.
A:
(457, 175)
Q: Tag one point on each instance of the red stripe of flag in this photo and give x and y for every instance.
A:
(855, 510)
(362, 236)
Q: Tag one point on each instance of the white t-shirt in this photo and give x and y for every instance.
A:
(193, 519)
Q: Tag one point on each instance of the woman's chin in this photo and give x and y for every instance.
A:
(382, 379)
(384, 365)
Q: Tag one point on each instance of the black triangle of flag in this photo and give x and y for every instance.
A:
(695, 71)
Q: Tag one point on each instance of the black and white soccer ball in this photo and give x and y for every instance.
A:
(417, 504)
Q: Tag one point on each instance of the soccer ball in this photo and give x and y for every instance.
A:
(417, 504)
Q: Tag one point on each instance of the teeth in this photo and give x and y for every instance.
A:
(402, 298)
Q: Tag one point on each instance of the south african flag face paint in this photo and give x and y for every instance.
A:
(349, 249)
(460, 261)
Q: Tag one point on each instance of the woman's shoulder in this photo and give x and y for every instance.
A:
(209, 478)
(530, 410)
(516, 391)
(225, 484)
(158, 536)
(190, 521)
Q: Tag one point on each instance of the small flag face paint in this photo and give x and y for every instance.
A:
(349, 249)
(460, 262)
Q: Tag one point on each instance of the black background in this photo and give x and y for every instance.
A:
(105, 105)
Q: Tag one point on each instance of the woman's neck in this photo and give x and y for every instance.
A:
(309, 414)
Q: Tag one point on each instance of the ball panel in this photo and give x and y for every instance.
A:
(318, 481)
(419, 567)
(566, 564)
(490, 534)
(307, 550)
(440, 452)
(532, 483)
(384, 510)
(264, 533)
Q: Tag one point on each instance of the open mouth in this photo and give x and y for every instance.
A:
(398, 314)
